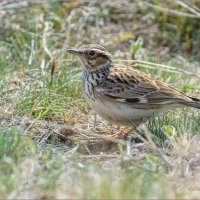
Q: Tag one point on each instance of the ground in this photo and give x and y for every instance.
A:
(51, 146)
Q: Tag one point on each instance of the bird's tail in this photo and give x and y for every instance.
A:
(195, 103)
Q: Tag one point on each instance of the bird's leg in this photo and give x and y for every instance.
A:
(125, 132)
(122, 133)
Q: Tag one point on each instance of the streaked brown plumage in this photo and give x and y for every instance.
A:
(121, 94)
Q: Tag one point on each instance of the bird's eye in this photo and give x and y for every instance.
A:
(91, 53)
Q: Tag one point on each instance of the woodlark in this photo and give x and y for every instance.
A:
(124, 95)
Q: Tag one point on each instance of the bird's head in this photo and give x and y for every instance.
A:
(92, 56)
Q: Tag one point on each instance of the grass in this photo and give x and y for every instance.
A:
(29, 169)
(49, 146)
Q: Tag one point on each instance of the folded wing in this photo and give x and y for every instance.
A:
(131, 86)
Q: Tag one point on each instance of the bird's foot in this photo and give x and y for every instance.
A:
(121, 134)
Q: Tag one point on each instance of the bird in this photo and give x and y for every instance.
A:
(123, 95)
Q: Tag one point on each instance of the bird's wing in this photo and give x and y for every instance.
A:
(131, 86)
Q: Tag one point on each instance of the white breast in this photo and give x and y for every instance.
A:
(119, 113)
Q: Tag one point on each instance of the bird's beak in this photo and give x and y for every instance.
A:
(74, 51)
